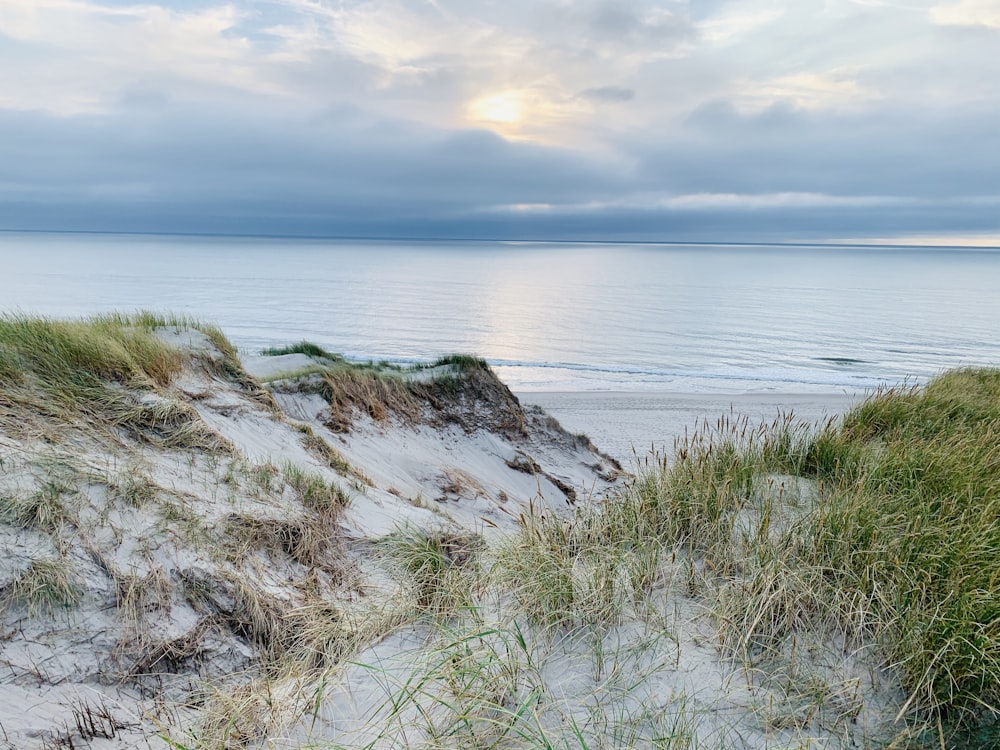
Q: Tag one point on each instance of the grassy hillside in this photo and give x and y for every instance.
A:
(883, 530)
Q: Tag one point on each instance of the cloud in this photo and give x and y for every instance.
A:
(829, 90)
(471, 116)
(76, 53)
(984, 13)
(608, 94)
(732, 24)
(877, 152)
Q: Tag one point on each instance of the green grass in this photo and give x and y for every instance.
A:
(73, 362)
(900, 544)
(314, 492)
(324, 451)
(883, 530)
(880, 532)
(461, 362)
(914, 524)
(302, 347)
(95, 369)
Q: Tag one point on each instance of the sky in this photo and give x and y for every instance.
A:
(665, 120)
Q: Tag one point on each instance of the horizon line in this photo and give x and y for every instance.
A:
(861, 244)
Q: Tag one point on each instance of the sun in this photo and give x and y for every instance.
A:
(506, 108)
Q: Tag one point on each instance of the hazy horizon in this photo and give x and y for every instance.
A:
(914, 242)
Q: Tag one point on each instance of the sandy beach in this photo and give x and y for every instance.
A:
(628, 426)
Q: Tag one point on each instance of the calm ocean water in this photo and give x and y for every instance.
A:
(550, 316)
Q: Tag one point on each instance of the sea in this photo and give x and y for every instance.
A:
(550, 317)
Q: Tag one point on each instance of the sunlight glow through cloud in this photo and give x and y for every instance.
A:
(498, 109)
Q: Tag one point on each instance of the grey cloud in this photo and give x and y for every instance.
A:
(342, 164)
(143, 96)
(347, 172)
(881, 151)
(608, 94)
(245, 163)
(630, 22)
(623, 28)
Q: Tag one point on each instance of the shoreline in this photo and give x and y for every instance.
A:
(628, 425)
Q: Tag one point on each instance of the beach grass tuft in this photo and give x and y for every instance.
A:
(72, 362)
(316, 493)
(442, 566)
(302, 347)
(880, 532)
(45, 586)
(913, 525)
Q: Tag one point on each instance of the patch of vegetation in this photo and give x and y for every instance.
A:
(324, 451)
(301, 539)
(73, 362)
(45, 508)
(314, 492)
(563, 574)
(461, 362)
(94, 367)
(349, 388)
(170, 423)
(466, 393)
(302, 347)
(440, 565)
(133, 487)
(897, 541)
(912, 524)
(882, 530)
(44, 587)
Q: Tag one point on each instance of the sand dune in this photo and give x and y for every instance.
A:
(201, 561)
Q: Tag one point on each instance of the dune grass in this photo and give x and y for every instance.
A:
(914, 525)
(73, 361)
(113, 370)
(45, 586)
(441, 566)
(881, 533)
(314, 492)
(302, 347)
(898, 539)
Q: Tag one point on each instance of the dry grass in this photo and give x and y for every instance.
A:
(71, 362)
(133, 488)
(467, 393)
(305, 540)
(442, 566)
(324, 451)
(138, 598)
(111, 371)
(350, 390)
(44, 587)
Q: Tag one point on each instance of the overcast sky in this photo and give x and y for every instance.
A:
(670, 120)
